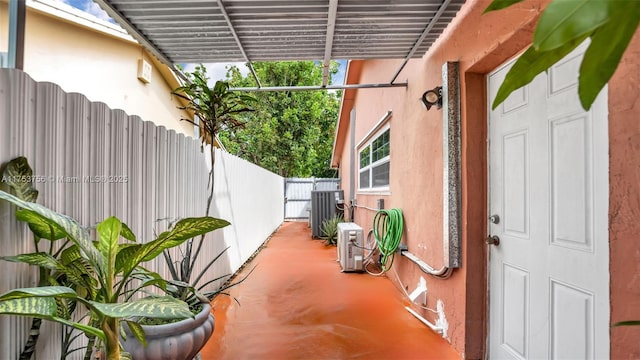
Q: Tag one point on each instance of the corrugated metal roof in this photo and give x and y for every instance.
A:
(208, 31)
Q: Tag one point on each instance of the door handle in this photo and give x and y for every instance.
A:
(493, 240)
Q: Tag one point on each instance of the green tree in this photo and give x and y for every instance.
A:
(290, 132)
(563, 25)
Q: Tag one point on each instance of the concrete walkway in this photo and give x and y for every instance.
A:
(298, 305)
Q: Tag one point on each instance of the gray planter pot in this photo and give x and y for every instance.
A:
(181, 340)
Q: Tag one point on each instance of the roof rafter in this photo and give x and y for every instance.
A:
(222, 31)
(424, 34)
(240, 46)
(133, 31)
(328, 87)
(328, 44)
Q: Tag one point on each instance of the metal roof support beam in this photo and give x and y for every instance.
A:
(328, 43)
(424, 34)
(133, 31)
(17, 16)
(238, 42)
(329, 87)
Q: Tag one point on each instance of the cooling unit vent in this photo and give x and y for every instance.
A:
(350, 247)
(144, 71)
(324, 205)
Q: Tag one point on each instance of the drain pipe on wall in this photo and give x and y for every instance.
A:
(352, 159)
(439, 329)
(442, 273)
(441, 326)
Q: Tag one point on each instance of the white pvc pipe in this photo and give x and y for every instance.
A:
(443, 272)
(435, 328)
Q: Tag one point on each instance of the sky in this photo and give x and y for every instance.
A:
(216, 71)
(90, 7)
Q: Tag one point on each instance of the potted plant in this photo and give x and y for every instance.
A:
(101, 270)
(171, 340)
(217, 109)
(168, 339)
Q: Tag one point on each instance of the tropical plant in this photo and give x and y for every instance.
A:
(181, 287)
(217, 109)
(329, 228)
(18, 176)
(102, 271)
(628, 323)
(193, 292)
(563, 25)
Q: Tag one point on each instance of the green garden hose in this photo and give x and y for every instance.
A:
(387, 230)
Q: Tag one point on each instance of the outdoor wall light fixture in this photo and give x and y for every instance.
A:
(432, 97)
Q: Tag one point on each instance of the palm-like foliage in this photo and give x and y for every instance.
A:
(100, 270)
(192, 292)
(216, 108)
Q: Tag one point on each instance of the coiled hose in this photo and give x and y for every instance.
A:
(387, 231)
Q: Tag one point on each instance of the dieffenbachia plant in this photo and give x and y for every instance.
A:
(17, 176)
(108, 265)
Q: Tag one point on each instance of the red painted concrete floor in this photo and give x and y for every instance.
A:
(298, 305)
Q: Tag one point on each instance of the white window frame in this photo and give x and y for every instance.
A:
(368, 142)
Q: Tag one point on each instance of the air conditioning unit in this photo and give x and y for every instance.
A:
(324, 205)
(350, 247)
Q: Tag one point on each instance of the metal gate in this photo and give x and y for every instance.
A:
(297, 195)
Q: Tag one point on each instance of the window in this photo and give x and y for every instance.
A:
(374, 163)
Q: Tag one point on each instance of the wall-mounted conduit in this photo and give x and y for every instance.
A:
(452, 185)
(444, 272)
(451, 176)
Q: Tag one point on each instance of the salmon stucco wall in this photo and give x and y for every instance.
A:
(479, 43)
(624, 202)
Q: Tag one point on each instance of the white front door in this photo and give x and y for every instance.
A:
(548, 186)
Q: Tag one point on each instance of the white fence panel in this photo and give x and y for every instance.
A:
(94, 162)
(298, 195)
(252, 199)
